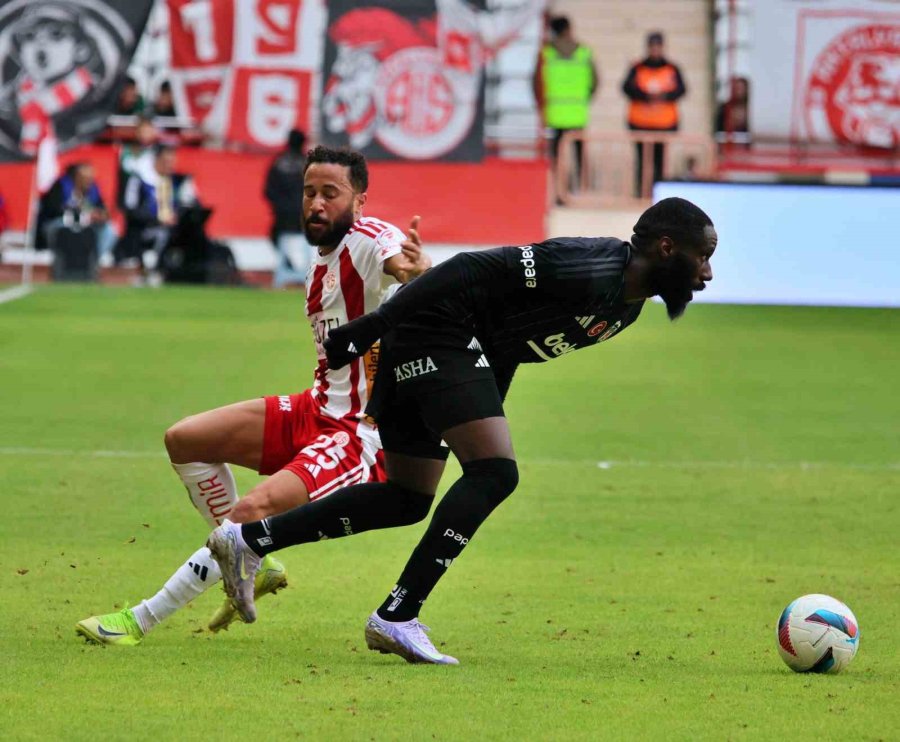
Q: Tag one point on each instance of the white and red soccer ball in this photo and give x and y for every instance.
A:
(817, 633)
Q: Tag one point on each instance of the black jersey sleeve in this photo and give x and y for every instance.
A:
(569, 271)
(458, 278)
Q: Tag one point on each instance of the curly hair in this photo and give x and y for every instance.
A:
(354, 161)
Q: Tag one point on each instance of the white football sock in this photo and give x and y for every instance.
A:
(199, 573)
(211, 488)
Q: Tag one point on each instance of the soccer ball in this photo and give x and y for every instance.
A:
(817, 633)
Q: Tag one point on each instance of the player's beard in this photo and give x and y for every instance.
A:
(674, 282)
(332, 236)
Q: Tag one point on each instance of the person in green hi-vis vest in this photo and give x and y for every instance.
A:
(565, 80)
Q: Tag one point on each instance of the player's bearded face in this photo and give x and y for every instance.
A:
(675, 281)
(330, 204)
(322, 232)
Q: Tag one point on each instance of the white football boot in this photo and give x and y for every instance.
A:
(405, 638)
(239, 564)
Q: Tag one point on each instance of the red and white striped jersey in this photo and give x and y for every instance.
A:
(341, 286)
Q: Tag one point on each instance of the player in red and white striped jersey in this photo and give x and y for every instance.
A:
(312, 443)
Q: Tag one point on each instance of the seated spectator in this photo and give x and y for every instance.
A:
(153, 202)
(164, 105)
(733, 116)
(138, 155)
(690, 170)
(74, 202)
(130, 102)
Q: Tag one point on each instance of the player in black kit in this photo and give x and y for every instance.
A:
(450, 343)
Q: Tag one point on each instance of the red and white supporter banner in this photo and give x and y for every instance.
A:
(827, 71)
(243, 69)
(403, 79)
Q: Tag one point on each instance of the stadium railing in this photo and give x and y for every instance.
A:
(606, 174)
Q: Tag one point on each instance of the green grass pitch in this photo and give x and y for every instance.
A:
(679, 485)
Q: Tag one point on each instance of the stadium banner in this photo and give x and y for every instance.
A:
(61, 67)
(403, 79)
(826, 71)
(243, 69)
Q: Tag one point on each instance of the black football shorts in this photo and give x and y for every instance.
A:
(426, 385)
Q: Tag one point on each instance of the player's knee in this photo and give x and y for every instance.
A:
(413, 506)
(178, 440)
(500, 476)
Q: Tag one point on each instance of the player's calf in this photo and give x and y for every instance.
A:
(279, 493)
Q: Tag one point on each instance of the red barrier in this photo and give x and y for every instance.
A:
(495, 202)
(15, 185)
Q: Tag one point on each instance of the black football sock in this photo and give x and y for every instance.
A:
(485, 483)
(361, 507)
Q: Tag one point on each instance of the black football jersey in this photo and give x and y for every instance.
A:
(561, 295)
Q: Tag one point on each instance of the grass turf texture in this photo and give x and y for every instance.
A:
(636, 601)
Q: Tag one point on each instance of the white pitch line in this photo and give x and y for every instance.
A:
(623, 464)
(802, 465)
(25, 451)
(16, 292)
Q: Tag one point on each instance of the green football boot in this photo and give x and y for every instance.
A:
(270, 578)
(119, 629)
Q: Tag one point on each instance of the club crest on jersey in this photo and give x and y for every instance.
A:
(330, 281)
(341, 438)
(610, 332)
(411, 369)
(597, 329)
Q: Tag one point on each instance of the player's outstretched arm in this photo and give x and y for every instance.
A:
(450, 278)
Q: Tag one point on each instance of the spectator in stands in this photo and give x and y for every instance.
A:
(130, 102)
(284, 192)
(164, 105)
(690, 170)
(152, 203)
(565, 80)
(733, 116)
(138, 155)
(74, 202)
(653, 87)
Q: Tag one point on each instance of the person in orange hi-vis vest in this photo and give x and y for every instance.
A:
(653, 87)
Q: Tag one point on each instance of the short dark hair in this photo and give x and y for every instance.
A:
(674, 217)
(296, 139)
(656, 37)
(160, 148)
(359, 171)
(560, 24)
(74, 167)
